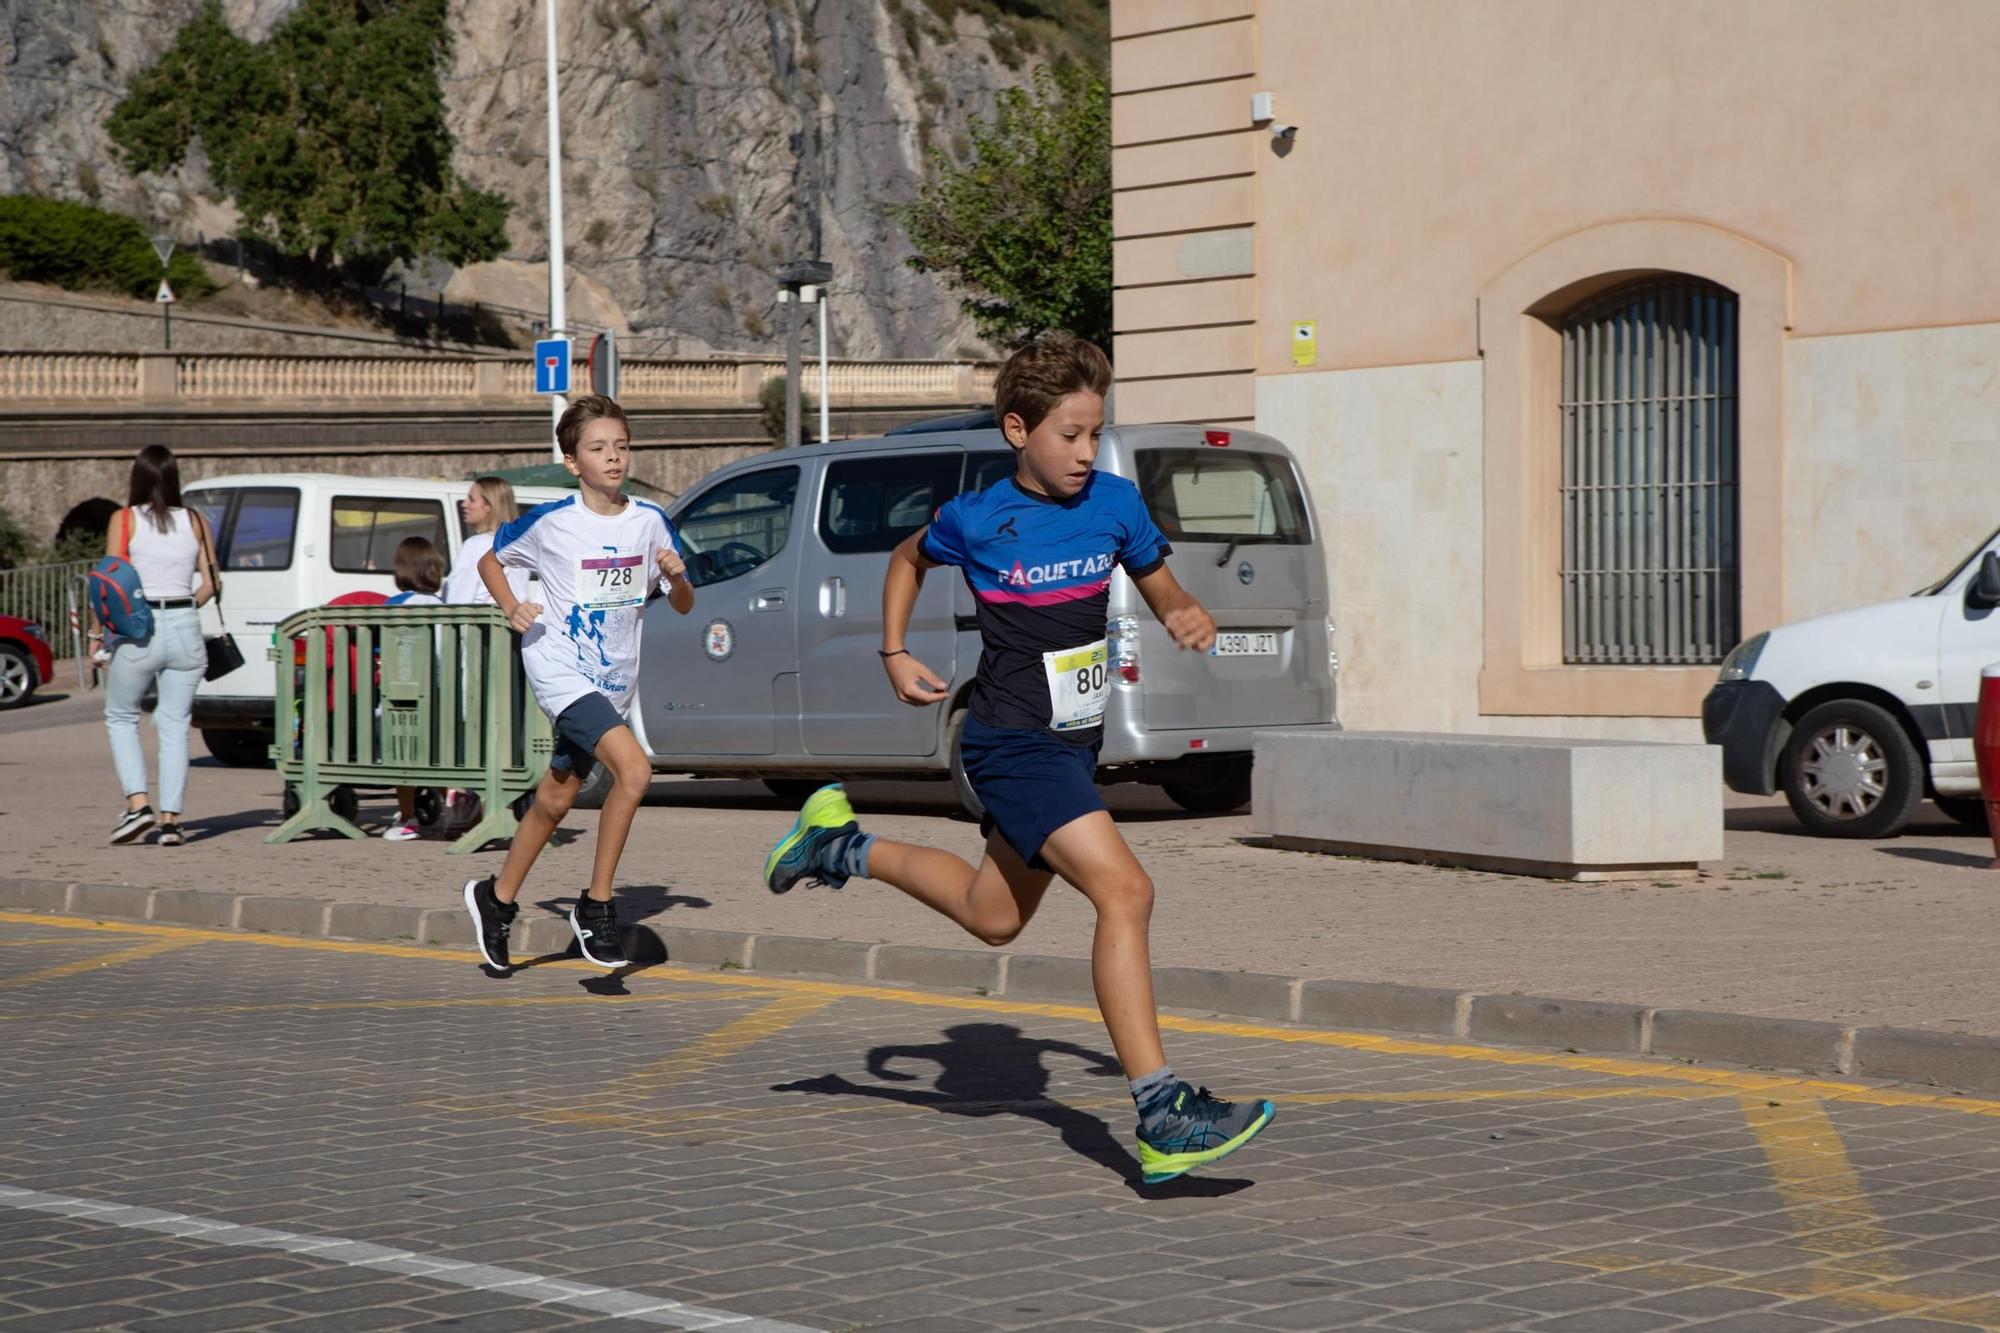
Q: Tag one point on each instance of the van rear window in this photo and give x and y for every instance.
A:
(255, 527)
(1212, 495)
(367, 529)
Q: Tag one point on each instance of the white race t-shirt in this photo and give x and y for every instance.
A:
(596, 572)
(464, 587)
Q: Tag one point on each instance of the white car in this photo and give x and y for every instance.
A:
(290, 540)
(1858, 715)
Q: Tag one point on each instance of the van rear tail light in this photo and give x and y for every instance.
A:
(1218, 438)
(1122, 641)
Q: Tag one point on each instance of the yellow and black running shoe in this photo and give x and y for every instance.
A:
(804, 852)
(1198, 1128)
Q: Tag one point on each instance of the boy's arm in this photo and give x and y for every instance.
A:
(1176, 608)
(680, 593)
(914, 683)
(521, 615)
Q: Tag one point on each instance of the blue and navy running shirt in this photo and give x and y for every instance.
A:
(1040, 569)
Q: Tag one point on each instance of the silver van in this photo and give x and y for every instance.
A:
(775, 676)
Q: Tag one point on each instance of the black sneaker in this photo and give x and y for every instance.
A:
(491, 920)
(170, 835)
(131, 824)
(596, 927)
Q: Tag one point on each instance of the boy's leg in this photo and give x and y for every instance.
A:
(1089, 853)
(618, 749)
(553, 798)
(1180, 1127)
(992, 902)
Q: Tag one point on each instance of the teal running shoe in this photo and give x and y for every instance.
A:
(1199, 1128)
(823, 825)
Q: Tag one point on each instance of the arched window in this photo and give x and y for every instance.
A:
(1650, 553)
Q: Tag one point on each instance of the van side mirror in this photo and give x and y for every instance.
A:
(1985, 589)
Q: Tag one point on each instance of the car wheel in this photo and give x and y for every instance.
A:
(430, 807)
(968, 799)
(1851, 771)
(1225, 787)
(1966, 810)
(345, 802)
(590, 796)
(17, 676)
(238, 749)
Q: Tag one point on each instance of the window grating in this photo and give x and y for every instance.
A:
(1650, 537)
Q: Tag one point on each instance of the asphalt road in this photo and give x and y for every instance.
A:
(215, 1131)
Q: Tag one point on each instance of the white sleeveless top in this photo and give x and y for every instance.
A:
(165, 560)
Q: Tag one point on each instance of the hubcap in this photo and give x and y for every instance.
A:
(1844, 771)
(14, 678)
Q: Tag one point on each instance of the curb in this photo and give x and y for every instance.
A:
(1953, 1060)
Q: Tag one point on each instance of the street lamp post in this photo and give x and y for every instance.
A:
(558, 314)
(795, 281)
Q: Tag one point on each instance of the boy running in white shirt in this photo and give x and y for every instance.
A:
(599, 555)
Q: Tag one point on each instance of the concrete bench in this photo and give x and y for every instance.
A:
(1524, 805)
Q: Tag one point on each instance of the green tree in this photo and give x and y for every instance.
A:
(330, 135)
(1023, 228)
(77, 246)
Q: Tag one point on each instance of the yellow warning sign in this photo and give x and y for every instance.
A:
(1305, 342)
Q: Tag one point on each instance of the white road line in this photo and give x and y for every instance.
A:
(529, 1287)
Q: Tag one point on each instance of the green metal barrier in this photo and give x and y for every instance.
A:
(405, 696)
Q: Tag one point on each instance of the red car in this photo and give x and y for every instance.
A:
(25, 660)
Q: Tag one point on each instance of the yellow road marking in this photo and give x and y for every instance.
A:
(1738, 1081)
(1820, 1188)
(319, 1006)
(615, 1102)
(92, 964)
(1855, 1268)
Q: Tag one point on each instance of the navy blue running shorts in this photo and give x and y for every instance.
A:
(1030, 781)
(578, 730)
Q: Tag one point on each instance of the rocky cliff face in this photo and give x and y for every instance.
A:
(703, 144)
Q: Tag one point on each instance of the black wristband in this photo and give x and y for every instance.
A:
(900, 652)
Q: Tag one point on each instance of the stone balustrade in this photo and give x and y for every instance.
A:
(82, 376)
(206, 379)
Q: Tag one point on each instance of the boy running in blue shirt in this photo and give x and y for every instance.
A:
(600, 554)
(1037, 551)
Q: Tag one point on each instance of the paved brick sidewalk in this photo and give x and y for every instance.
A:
(225, 1131)
(1899, 933)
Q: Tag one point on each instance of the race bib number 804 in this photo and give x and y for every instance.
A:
(608, 582)
(1079, 683)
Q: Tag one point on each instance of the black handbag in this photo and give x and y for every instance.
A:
(223, 654)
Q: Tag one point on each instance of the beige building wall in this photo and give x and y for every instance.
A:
(1463, 174)
(1183, 175)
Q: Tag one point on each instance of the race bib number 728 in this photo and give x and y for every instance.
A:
(607, 582)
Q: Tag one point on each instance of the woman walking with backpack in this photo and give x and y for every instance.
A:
(174, 554)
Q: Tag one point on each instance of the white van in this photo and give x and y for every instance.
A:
(290, 540)
(1858, 715)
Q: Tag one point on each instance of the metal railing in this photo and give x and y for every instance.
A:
(47, 595)
(430, 696)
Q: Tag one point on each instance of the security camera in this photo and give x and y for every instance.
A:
(1280, 130)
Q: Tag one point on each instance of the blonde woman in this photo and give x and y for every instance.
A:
(487, 504)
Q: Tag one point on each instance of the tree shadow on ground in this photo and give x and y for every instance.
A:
(989, 1069)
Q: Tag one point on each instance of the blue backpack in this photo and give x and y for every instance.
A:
(119, 600)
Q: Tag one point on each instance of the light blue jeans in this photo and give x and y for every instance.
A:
(176, 657)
